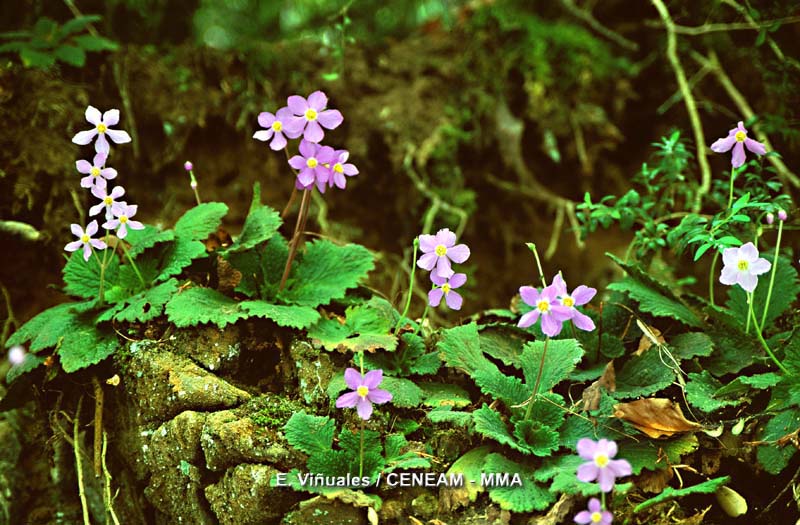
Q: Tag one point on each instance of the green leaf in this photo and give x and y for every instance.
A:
(260, 225)
(448, 415)
(772, 457)
(31, 362)
(743, 384)
(147, 305)
(310, 434)
(529, 497)
(561, 469)
(503, 344)
(443, 394)
(508, 389)
(95, 43)
(367, 327)
(45, 330)
(488, 423)
(700, 391)
(691, 344)
(784, 293)
(706, 487)
(651, 454)
(32, 58)
(561, 357)
(536, 438)
(203, 305)
(82, 278)
(396, 458)
(72, 55)
(282, 315)
(405, 394)
(201, 221)
(45, 27)
(178, 255)
(85, 346)
(326, 272)
(643, 375)
(149, 236)
(470, 466)
(77, 24)
(461, 348)
(650, 300)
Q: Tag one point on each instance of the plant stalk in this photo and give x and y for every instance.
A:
(772, 276)
(298, 231)
(529, 410)
(410, 284)
(764, 342)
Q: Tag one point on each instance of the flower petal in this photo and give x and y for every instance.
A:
(373, 378)
(93, 115)
(443, 267)
(364, 408)
(724, 144)
(349, 170)
(427, 243)
(529, 294)
(551, 326)
(559, 284)
(111, 117)
(747, 281)
(437, 279)
(586, 448)
(454, 300)
(313, 132)
(101, 144)
(458, 280)
(620, 467)
(307, 148)
(428, 261)
(729, 275)
(265, 119)
(352, 378)
(583, 294)
(297, 104)
(582, 321)
(97, 243)
(528, 319)
(278, 143)
(83, 166)
(446, 237)
(297, 162)
(84, 137)
(605, 478)
(118, 136)
(755, 146)
(459, 253)
(73, 246)
(748, 252)
(588, 472)
(263, 134)
(283, 115)
(108, 173)
(738, 157)
(330, 119)
(730, 256)
(759, 266)
(607, 447)
(317, 100)
(435, 297)
(348, 400)
(91, 229)
(379, 396)
(584, 517)
(87, 251)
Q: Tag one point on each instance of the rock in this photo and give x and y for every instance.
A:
(321, 511)
(165, 384)
(228, 440)
(244, 496)
(426, 505)
(215, 349)
(314, 371)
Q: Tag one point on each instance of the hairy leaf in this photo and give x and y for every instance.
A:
(202, 305)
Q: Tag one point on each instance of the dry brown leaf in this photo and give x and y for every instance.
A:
(652, 335)
(228, 277)
(654, 481)
(558, 512)
(591, 396)
(656, 417)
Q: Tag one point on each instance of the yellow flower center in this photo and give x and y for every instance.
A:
(95, 172)
(543, 306)
(123, 219)
(312, 162)
(601, 460)
(596, 517)
(362, 391)
(338, 168)
(311, 114)
(441, 250)
(743, 265)
(446, 288)
(568, 302)
(108, 200)
(277, 126)
(101, 128)
(84, 238)
(740, 136)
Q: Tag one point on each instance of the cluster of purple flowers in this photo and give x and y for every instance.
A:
(600, 467)
(364, 393)
(738, 140)
(118, 214)
(316, 165)
(555, 306)
(438, 253)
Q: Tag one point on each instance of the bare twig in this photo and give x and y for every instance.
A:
(677, 96)
(76, 446)
(691, 105)
(10, 321)
(592, 22)
(734, 26)
(98, 425)
(436, 201)
(747, 112)
(109, 501)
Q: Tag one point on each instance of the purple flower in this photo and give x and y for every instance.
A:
(600, 466)
(122, 219)
(311, 164)
(595, 514)
(188, 166)
(107, 200)
(16, 355)
(445, 288)
(546, 305)
(743, 266)
(96, 174)
(340, 167)
(737, 139)
(579, 296)
(312, 116)
(438, 250)
(782, 215)
(102, 127)
(278, 125)
(770, 218)
(365, 392)
(85, 240)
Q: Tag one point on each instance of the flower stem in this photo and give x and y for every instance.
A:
(410, 285)
(772, 276)
(298, 232)
(532, 247)
(193, 185)
(100, 292)
(133, 264)
(361, 453)
(529, 411)
(422, 319)
(764, 343)
(711, 277)
(730, 192)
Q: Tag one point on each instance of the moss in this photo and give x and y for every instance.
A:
(272, 411)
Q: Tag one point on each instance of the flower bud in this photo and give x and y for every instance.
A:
(187, 166)
(770, 218)
(193, 184)
(782, 215)
(16, 355)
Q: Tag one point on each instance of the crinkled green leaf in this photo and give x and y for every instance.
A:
(260, 225)
(706, 487)
(30, 363)
(310, 434)
(490, 424)
(367, 327)
(405, 394)
(507, 388)
(72, 55)
(784, 293)
(691, 344)
(561, 357)
(650, 454)
(443, 394)
(448, 415)
(503, 344)
(326, 272)
(283, 315)
(529, 497)
(45, 330)
(82, 278)
(202, 305)
(398, 457)
(700, 391)
(461, 348)
(180, 254)
(148, 304)
(201, 221)
(644, 374)
(652, 301)
(149, 236)
(470, 466)
(772, 457)
(535, 438)
(743, 384)
(84, 346)
(562, 470)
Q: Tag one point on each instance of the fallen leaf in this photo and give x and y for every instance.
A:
(591, 396)
(654, 481)
(558, 512)
(228, 277)
(652, 336)
(731, 502)
(656, 417)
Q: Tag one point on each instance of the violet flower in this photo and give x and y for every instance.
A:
(438, 250)
(445, 288)
(107, 200)
(85, 240)
(737, 139)
(546, 306)
(594, 515)
(311, 164)
(188, 166)
(600, 466)
(279, 126)
(122, 219)
(96, 173)
(365, 392)
(742, 266)
(340, 167)
(579, 296)
(102, 127)
(311, 115)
